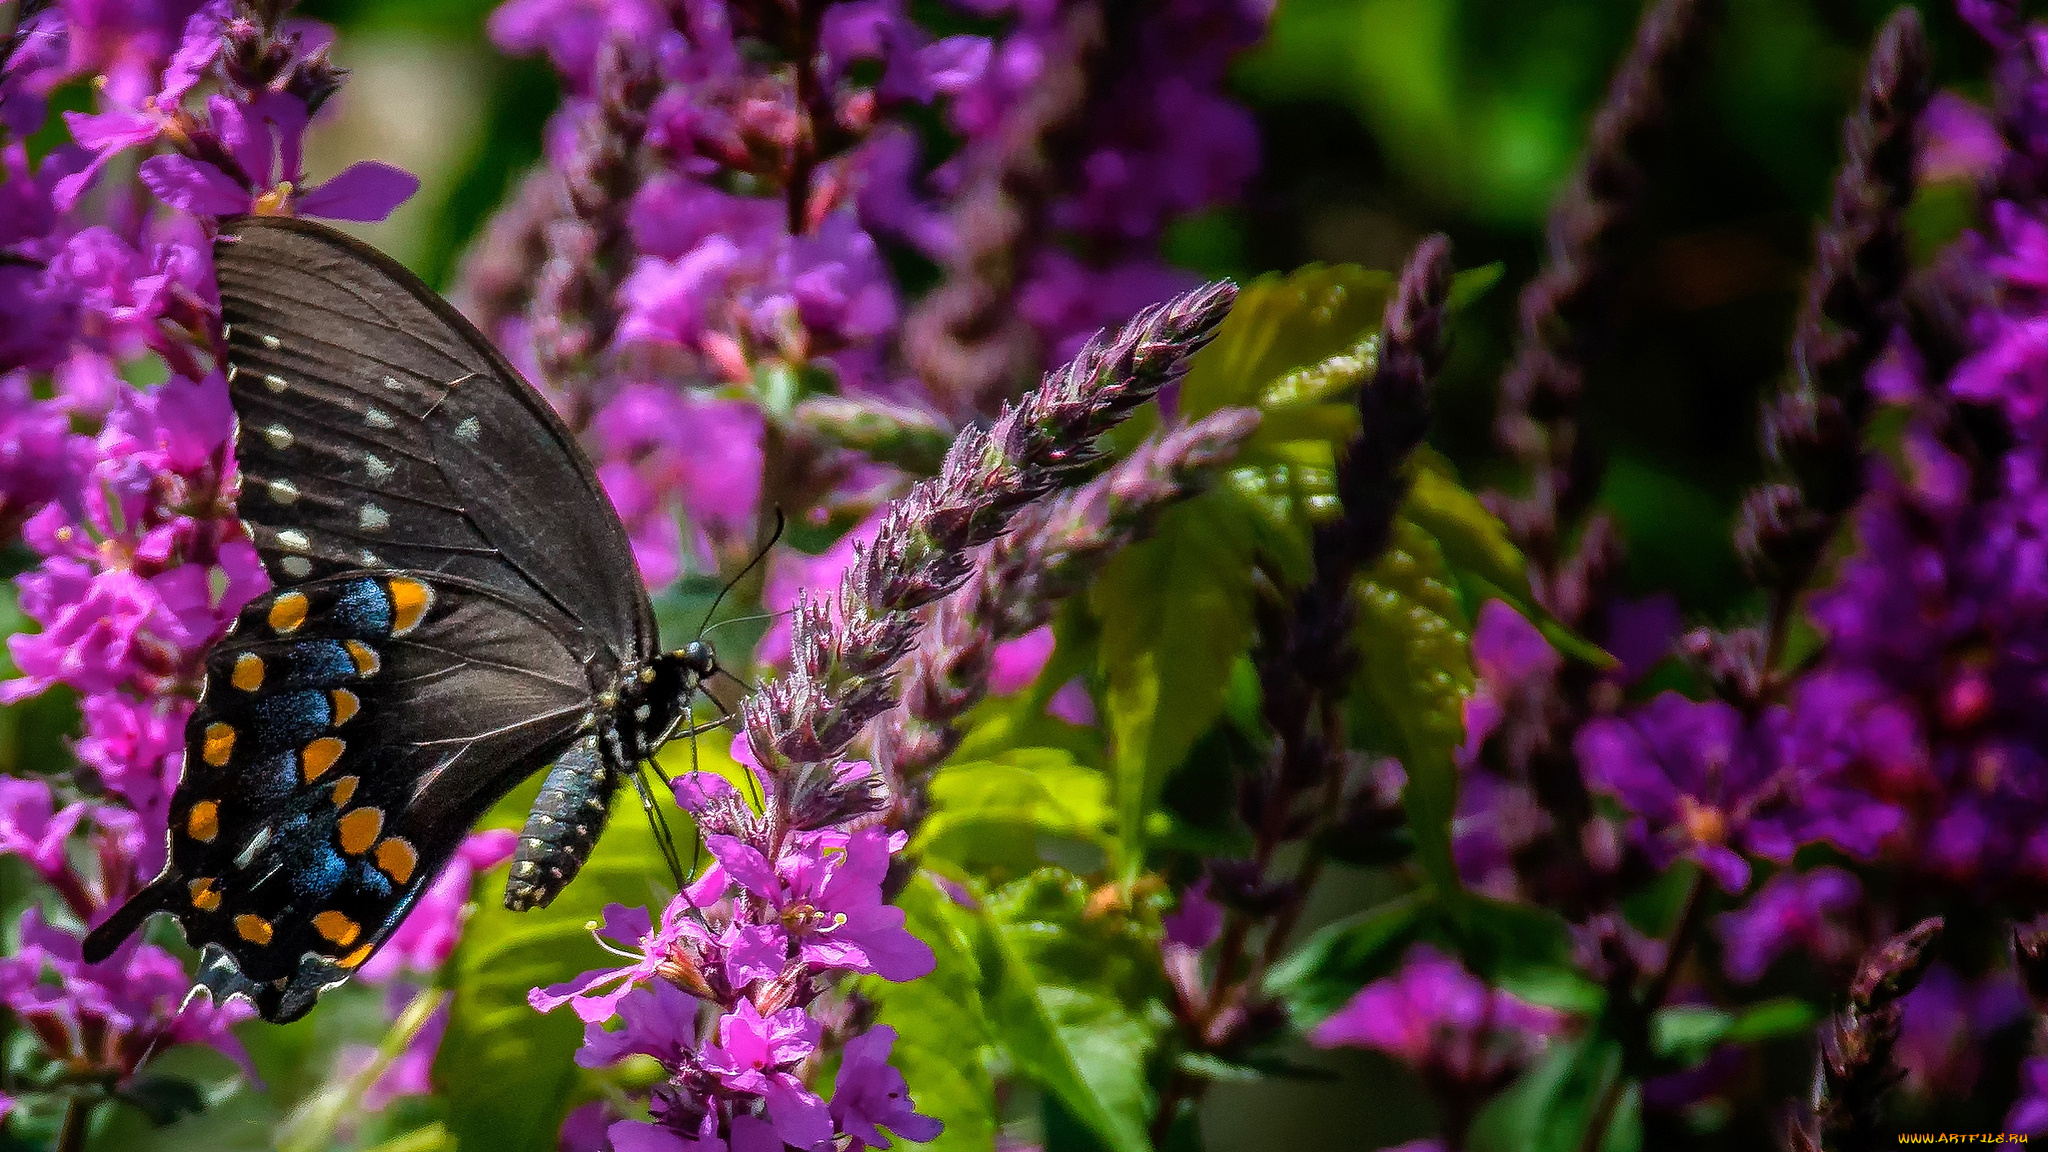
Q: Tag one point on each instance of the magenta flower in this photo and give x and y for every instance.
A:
(828, 890)
(1793, 912)
(595, 995)
(264, 140)
(1197, 921)
(32, 827)
(755, 1055)
(1433, 1013)
(869, 1095)
(659, 1020)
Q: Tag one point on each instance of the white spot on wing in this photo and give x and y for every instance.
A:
(377, 468)
(274, 383)
(393, 384)
(231, 373)
(377, 418)
(469, 429)
(294, 539)
(278, 436)
(271, 342)
(255, 845)
(370, 559)
(374, 519)
(296, 567)
(283, 491)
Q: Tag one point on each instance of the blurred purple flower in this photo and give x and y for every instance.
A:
(1433, 1013)
(1793, 912)
(869, 1095)
(1197, 921)
(428, 935)
(1947, 1020)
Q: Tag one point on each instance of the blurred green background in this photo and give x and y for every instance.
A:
(1382, 120)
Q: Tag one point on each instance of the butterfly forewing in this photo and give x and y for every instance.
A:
(378, 429)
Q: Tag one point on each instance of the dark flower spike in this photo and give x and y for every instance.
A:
(572, 314)
(1050, 552)
(841, 669)
(1562, 307)
(1813, 429)
(1855, 1069)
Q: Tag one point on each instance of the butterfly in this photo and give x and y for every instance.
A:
(455, 606)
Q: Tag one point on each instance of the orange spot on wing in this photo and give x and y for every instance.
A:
(397, 858)
(316, 758)
(218, 744)
(287, 612)
(248, 674)
(356, 957)
(364, 656)
(205, 896)
(345, 705)
(409, 601)
(337, 928)
(344, 790)
(253, 928)
(359, 830)
(202, 823)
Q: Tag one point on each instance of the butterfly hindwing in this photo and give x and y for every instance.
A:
(378, 429)
(351, 730)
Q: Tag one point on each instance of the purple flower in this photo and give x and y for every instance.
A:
(1793, 912)
(32, 827)
(409, 1074)
(660, 1021)
(1432, 1013)
(595, 995)
(2030, 1112)
(1699, 781)
(755, 1054)
(828, 890)
(869, 1095)
(1197, 921)
(1941, 1037)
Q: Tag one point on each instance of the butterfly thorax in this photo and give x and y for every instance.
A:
(632, 720)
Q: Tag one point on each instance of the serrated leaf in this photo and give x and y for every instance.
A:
(1330, 967)
(507, 1072)
(941, 1025)
(1279, 325)
(991, 813)
(1068, 993)
(1415, 672)
(1176, 612)
(1476, 546)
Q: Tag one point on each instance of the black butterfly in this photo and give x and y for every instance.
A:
(456, 607)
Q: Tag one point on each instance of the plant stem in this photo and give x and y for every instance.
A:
(1640, 1012)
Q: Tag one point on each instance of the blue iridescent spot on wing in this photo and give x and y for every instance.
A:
(319, 873)
(376, 883)
(363, 608)
(320, 664)
(289, 719)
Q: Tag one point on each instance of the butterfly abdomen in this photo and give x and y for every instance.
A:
(567, 818)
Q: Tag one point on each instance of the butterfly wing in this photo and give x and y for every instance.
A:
(379, 429)
(351, 730)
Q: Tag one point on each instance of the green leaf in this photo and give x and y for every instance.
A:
(1279, 325)
(1550, 1107)
(991, 813)
(1176, 611)
(1688, 1032)
(1771, 1019)
(1068, 993)
(1468, 286)
(941, 1026)
(507, 1072)
(1476, 546)
(1318, 978)
(1414, 677)
(1504, 940)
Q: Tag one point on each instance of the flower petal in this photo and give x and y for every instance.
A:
(200, 189)
(365, 191)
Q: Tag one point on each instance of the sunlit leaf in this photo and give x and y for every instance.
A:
(941, 1026)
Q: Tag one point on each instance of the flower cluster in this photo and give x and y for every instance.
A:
(124, 494)
(727, 181)
(720, 991)
(1441, 1020)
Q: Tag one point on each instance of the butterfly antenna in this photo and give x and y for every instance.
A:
(780, 522)
(745, 620)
